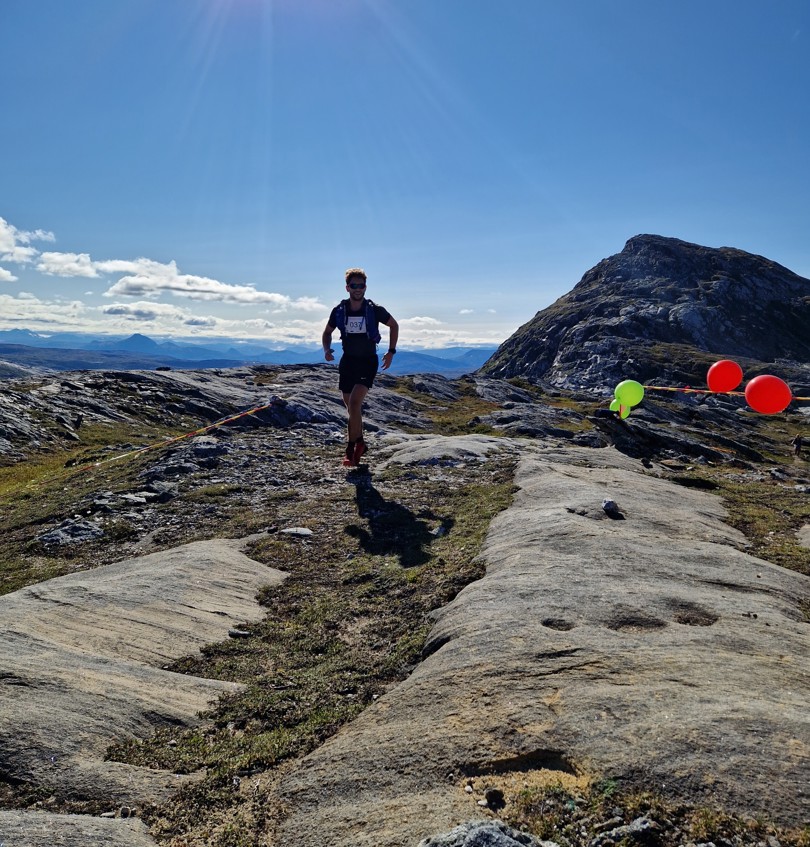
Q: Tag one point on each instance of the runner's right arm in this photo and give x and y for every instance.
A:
(326, 341)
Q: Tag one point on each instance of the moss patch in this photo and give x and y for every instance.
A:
(579, 813)
(456, 417)
(46, 488)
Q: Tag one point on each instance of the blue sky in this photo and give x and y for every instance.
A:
(211, 167)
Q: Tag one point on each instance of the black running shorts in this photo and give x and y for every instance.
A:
(357, 370)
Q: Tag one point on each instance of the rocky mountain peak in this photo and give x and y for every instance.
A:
(648, 311)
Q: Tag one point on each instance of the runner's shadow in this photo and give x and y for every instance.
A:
(393, 529)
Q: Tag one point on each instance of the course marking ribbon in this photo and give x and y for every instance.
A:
(168, 441)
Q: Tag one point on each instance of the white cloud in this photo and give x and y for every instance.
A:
(116, 266)
(145, 311)
(26, 310)
(20, 255)
(255, 323)
(420, 322)
(467, 311)
(67, 264)
(15, 243)
(308, 304)
(150, 279)
(142, 278)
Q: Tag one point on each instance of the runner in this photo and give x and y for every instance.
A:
(358, 320)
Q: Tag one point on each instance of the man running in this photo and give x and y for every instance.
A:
(358, 320)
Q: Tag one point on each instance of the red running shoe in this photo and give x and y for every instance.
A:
(348, 459)
(360, 450)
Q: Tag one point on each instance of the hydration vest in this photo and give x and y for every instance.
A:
(372, 328)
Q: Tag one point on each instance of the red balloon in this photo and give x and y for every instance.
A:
(724, 375)
(768, 394)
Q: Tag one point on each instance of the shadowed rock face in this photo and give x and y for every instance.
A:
(662, 291)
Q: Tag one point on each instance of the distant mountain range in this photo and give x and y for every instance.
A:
(22, 348)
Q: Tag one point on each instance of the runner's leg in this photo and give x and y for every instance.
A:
(354, 405)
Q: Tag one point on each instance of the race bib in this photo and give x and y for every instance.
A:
(356, 325)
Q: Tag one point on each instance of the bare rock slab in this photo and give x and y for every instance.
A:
(652, 649)
(82, 657)
(40, 829)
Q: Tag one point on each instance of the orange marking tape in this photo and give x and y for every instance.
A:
(177, 438)
(704, 391)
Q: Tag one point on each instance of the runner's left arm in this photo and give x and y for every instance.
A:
(393, 337)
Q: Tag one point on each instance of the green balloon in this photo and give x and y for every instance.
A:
(616, 406)
(629, 392)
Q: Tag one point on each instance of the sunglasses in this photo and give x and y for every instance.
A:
(356, 285)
